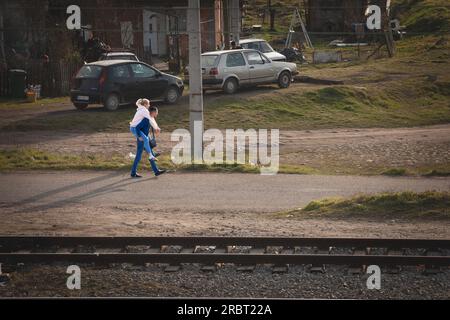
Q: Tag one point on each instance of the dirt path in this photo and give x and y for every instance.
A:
(331, 150)
(110, 203)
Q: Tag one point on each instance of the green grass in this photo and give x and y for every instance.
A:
(31, 159)
(404, 205)
(423, 15)
(438, 173)
(13, 104)
(334, 107)
(395, 172)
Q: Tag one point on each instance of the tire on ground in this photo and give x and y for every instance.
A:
(112, 102)
(284, 80)
(172, 95)
(230, 86)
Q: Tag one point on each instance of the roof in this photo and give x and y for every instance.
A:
(107, 63)
(119, 54)
(251, 40)
(226, 51)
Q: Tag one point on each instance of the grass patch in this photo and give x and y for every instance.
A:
(14, 104)
(31, 159)
(333, 107)
(438, 173)
(404, 205)
(423, 15)
(395, 172)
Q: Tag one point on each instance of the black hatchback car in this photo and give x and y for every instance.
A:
(116, 82)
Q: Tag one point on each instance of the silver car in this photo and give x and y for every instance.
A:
(229, 70)
(263, 46)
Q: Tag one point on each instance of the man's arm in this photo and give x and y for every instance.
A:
(155, 126)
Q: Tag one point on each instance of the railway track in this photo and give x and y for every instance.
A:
(212, 250)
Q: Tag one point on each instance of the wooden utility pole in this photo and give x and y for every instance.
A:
(195, 81)
(235, 15)
(389, 36)
(272, 14)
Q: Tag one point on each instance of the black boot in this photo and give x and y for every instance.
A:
(160, 172)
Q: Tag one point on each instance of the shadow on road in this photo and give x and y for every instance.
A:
(112, 187)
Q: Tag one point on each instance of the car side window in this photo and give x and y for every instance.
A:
(142, 71)
(254, 58)
(235, 60)
(121, 72)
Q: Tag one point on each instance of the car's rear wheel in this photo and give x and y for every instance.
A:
(172, 95)
(112, 102)
(80, 106)
(285, 79)
(230, 86)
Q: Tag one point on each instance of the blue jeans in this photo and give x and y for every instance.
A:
(146, 141)
(141, 145)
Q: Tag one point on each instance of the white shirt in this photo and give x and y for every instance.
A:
(141, 113)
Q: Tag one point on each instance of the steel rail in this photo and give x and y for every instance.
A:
(11, 242)
(45, 250)
(232, 258)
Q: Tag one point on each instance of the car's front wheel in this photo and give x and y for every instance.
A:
(112, 102)
(230, 86)
(172, 95)
(285, 79)
(80, 106)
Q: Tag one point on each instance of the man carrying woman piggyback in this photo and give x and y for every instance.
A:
(143, 122)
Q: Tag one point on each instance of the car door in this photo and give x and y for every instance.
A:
(122, 81)
(261, 70)
(236, 64)
(150, 83)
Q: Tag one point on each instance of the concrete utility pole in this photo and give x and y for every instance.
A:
(195, 81)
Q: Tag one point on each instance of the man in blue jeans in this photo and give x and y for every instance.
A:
(141, 132)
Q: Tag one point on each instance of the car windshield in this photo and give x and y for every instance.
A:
(265, 47)
(89, 72)
(209, 61)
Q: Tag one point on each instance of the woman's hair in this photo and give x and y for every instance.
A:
(142, 102)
